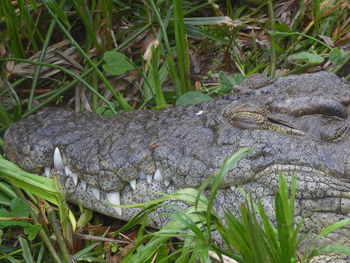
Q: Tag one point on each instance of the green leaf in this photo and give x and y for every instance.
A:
(334, 248)
(27, 255)
(337, 55)
(32, 231)
(116, 63)
(228, 82)
(192, 97)
(308, 57)
(104, 110)
(18, 208)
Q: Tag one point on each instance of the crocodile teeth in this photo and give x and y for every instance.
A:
(96, 192)
(72, 175)
(166, 182)
(158, 175)
(75, 178)
(199, 112)
(149, 178)
(133, 184)
(233, 188)
(114, 198)
(57, 160)
(67, 171)
(47, 171)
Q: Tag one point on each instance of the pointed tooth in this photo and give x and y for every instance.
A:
(96, 192)
(233, 188)
(166, 182)
(57, 160)
(67, 171)
(47, 172)
(149, 178)
(114, 198)
(74, 177)
(133, 184)
(158, 175)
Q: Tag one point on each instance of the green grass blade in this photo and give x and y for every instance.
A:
(118, 96)
(225, 168)
(181, 47)
(27, 255)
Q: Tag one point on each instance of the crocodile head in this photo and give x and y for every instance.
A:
(296, 125)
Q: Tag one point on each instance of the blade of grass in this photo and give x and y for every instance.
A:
(65, 71)
(169, 57)
(225, 168)
(118, 96)
(181, 47)
(41, 59)
(27, 255)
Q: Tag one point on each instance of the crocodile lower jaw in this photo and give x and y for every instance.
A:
(149, 187)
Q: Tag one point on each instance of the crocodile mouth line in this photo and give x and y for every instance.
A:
(289, 169)
(73, 181)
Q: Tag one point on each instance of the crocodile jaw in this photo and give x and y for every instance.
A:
(322, 203)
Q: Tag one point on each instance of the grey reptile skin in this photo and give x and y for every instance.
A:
(295, 124)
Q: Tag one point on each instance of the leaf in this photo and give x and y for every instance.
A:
(32, 231)
(104, 110)
(334, 248)
(18, 208)
(228, 82)
(337, 55)
(192, 97)
(308, 57)
(116, 63)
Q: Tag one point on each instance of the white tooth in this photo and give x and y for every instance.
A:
(114, 198)
(166, 182)
(233, 188)
(47, 172)
(149, 178)
(96, 192)
(133, 184)
(57, 160)
(158, 175)
(74, 177)
(199, 112)
(67, 171)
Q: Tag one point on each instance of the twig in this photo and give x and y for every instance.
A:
(97, 238)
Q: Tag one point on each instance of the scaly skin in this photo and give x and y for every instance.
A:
(295, 124)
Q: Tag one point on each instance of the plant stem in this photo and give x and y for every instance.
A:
(41, 59)
(273, 60)
(44, 237)
(60, 241)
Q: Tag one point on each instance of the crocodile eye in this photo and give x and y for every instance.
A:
(246, 115)
(302, 106)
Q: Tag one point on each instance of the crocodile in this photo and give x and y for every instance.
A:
(295, 124)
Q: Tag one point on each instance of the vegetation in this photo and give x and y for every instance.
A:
(111, 56)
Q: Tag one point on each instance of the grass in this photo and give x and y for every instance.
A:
(173, 52)
(252, 37)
